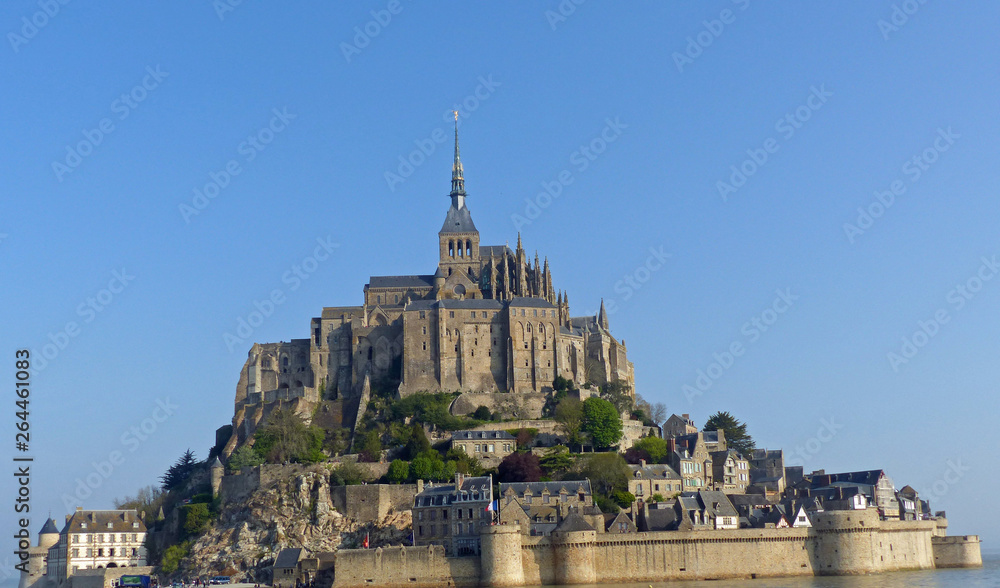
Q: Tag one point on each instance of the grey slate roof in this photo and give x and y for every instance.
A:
(536, 488)
(458, 221)
(288, 558)
(97, 521)
(401, 281)
(574, 522)
(717, 503)
(660, 519)
(869, 477)
(473, 304)
(464, 435)
(49, 528)
(656, 471)
(496, 250)
(531, 302)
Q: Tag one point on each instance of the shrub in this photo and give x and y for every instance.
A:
(623, 498)
(399, 471)
(347, 474)
(483, 414)
(172, 557)
(606, 504)
(520, 467)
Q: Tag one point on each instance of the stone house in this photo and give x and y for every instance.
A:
(451, 515)
(875, 485)
(689, 457)
(539, 507)
(650, 479)
(95, 539)
(619, 523)
(490, 446)
(730, 471)
(767, 472)
(676, 426)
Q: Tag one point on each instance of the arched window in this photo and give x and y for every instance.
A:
(370, 352)
(468, 248)
(284, 361)
(451, 248)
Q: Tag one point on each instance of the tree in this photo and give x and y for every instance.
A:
(399, 471)
(286, 438)
(601, 419)
(737, 437)
(556, 459)
(619, 394)
(147, 501)
(196, 517)
(370, 449)
(417, 443)
(347, 474)
(654, 446)
(520, 467)
(244, 457)
(634, 455)
(172, 557)
(623, 498)
(525, 438)
(179, 473)
(607, 472)
(569, 415)
(659, 413)
(482, 414)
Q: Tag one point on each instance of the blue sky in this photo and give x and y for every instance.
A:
(116, 116)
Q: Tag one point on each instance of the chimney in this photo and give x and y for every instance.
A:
(642, 463)
(459, 480)
(420, 486)
(686, 417)
(671, 445)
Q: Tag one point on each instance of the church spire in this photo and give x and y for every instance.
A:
(602, 317)
(457, 174)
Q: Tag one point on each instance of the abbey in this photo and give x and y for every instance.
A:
(487, 320)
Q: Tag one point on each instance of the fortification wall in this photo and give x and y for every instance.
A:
(423, 567)
(102, 578)
(372, 502)
(961, 551)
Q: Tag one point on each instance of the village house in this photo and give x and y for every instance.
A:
(648, 480)
(489, 446)
(730, 471)
(451, 515)
(539, 507)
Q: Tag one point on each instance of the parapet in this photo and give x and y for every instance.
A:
(959, 551)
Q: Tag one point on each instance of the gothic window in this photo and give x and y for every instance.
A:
(529, 327)
(536, 312)
(451, 314)
(449, 271)
(474, 316)
(522, 312)
(425, 345)
(379, 299)
(397, 298)
(451, 248)
(468, 250)
(461, 250)
(284, 361)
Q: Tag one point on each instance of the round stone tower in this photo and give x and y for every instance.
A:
(47, 537)
(501, 556)
(574, 556)
(845, 542)
(217, 471)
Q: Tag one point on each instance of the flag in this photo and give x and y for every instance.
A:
(366, 541)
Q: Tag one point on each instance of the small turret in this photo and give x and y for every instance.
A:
(217, 470)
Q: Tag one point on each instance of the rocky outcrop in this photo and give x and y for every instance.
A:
(296, 512)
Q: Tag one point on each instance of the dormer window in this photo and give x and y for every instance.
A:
(83, 525)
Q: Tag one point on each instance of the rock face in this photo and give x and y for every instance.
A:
(292, 513)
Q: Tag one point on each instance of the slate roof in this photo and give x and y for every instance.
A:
(660, 519)
(495, 250)
(536, 488)
(531, 302)
(473, 303)
(717, 503)
(96, 521)
(401, 281)
(49, 528)
(869, 477)
(463, 435)
(458, 221)
(444, 494)
(288, 558)
(656, 471)
(574, 522)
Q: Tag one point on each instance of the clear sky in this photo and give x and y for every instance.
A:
(166, 166)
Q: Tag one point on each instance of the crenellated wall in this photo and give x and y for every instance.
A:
(840, 543)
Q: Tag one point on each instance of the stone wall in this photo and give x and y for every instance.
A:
(372, 502)
(423, 567)
(841, 543)
(962, 551)
(103, 578)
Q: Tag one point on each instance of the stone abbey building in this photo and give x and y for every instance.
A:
(488, 321)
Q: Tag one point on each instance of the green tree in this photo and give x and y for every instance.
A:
(399, 471)
(619, 394)
(347, 474)
(606, 471)
(418, 442)
(737, 437)
(370, 449)
(654, 446)
(172, 557)
(196, 517)
(147, 501)
(569, 415)
(244, 457)
(623, 498)
(556, 459)
(286, 438)
(602, 421)
(178, 474)
(483, 414)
